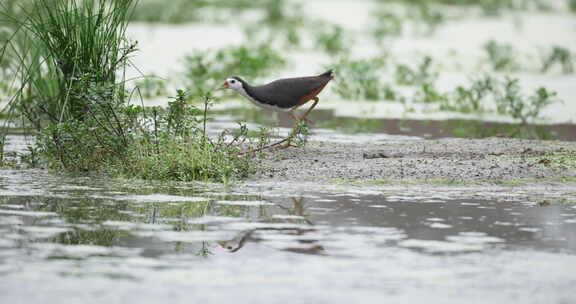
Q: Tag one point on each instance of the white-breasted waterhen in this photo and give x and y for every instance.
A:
(283, 94)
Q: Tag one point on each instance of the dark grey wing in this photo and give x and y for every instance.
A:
(287, 93)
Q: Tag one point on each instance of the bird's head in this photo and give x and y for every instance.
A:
(234, 83)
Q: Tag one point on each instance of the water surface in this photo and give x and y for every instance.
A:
(81, 240)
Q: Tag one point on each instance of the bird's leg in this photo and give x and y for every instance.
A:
(316, 100)
(293, 116)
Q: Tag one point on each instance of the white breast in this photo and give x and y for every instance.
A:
(261, 105)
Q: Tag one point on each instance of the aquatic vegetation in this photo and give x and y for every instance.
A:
(333, 39)
(501, 56)
(506, 96)
(471, 99)
(488, 7)
(206, 70)
(559, 56)
(423, 74)
(511, 102)
(364, 79)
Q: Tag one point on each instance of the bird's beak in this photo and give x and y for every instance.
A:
(225, 85)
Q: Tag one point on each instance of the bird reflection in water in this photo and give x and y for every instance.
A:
(302, 245)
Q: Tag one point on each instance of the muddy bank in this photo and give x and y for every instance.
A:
(493, 160)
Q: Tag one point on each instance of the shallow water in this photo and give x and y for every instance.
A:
(327, 125)
(84, 240)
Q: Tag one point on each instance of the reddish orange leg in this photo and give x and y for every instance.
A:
(316, 100)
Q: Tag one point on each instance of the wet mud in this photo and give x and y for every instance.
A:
(451, 161)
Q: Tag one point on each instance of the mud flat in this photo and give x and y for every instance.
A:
(445, 161)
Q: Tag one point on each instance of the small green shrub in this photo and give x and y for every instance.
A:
(471, 99)
(506, 96)
(173, 144)
(511, 102)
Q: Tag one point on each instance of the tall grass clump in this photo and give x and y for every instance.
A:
(69, 60)
(66, 57)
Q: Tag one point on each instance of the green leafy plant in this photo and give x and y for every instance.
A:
(471, 99)
(510, 101)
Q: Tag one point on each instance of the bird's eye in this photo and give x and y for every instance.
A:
(229, 247)
(232, 81)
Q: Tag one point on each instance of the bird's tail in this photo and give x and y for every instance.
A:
(329, 73)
